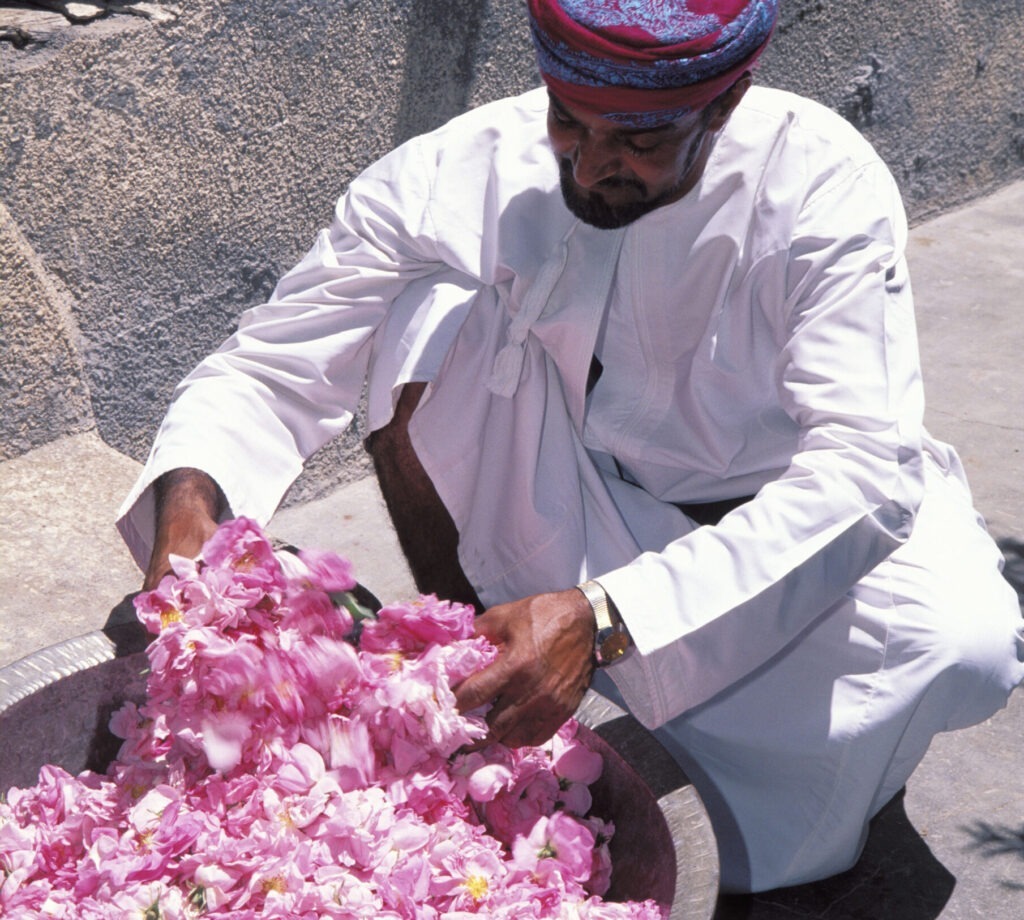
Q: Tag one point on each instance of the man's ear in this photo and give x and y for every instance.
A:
(721, 108)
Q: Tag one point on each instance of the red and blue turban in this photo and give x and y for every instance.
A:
(645, 62)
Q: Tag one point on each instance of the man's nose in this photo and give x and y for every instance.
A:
(594, 160)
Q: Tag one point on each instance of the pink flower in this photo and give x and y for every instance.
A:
(223, 737)
(326, 671)
(300, 768)
(328, 571)
(557, 843)
(572, 760)
(239, 545)
(159, 608)
(601, 867)
(514, 812)
(18, 857)
(312, 612)
(468, 873)
(346, 748)
(412, 627)
(596, 909)
(482, 775)
(145, 815)
(576, 766)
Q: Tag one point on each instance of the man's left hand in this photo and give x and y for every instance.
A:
(544, 665)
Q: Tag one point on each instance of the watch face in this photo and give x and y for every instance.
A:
(612, 645)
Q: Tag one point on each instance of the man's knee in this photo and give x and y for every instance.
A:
(403, 481)
(392, 440)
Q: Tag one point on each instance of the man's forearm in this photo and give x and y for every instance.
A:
(188, 505)
(187, 487)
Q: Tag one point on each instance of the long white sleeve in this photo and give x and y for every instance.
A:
(722, 600)
(291, 377)
(385, 288)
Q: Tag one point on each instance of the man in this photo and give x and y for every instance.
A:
(643, 385)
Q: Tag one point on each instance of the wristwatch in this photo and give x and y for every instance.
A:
(611, 641)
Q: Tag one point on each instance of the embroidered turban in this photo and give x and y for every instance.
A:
(645, 62)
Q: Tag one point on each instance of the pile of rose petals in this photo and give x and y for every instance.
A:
(299, 758)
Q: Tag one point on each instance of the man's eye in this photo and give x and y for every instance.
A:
(643, 147)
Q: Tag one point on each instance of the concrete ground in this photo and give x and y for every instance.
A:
(953, 848)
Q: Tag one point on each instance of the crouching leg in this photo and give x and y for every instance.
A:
(794, 760)
(424, 527)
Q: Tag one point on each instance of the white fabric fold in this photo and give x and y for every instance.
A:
(508, 364)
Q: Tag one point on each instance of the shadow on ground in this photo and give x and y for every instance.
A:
(123, 616)
(897, 878)
(995, 840)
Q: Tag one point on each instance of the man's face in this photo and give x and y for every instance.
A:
(612, 175)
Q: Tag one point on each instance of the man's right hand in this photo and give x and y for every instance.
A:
(188, 506)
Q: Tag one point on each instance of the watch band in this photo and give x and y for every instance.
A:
(611, 639)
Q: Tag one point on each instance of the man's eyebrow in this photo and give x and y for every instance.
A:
(655, 129)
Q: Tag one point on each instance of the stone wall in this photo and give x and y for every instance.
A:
(937, 87)
(161, 166)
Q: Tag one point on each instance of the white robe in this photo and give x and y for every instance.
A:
(757, 336)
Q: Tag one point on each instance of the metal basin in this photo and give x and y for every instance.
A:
(56, 703)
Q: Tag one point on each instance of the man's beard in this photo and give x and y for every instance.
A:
(594, 210)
